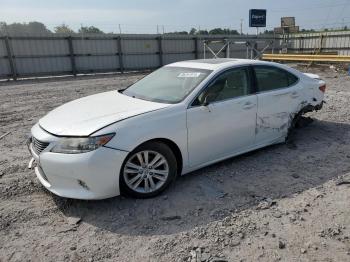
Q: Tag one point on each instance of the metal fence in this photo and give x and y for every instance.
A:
(23, 56)
(326, 42)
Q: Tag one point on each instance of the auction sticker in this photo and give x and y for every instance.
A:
(192, 74)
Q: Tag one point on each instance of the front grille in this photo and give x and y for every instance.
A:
(38, 146)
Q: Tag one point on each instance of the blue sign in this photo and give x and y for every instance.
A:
(257, 17)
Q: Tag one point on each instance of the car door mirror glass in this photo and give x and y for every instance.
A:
(208, 99)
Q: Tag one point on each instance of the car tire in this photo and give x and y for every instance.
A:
(140, 177)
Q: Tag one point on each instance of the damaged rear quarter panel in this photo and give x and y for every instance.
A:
(280, 121)
(276, 111)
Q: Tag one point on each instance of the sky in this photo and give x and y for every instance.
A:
(150, 16)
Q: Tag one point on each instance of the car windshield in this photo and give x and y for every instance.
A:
(167, 84)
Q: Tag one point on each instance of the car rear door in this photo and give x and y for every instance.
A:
(225, 124)
(279, 98)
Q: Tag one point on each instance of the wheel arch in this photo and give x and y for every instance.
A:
(304, 108)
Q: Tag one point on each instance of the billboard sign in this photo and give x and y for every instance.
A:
(257, 17)
(287, 21)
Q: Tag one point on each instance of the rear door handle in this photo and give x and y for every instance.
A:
(248, 105)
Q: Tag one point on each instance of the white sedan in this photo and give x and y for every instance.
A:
(179, 118)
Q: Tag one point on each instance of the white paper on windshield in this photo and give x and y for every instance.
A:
(191, 74)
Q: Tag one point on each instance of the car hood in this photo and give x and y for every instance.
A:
(86, 115)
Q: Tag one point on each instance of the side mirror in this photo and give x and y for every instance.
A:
(208, 99)
(205, 102)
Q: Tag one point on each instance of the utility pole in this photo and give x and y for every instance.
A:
(120, 29)
(163, 29)
(157, 30)
(82, 31)
(6, 31)
(241, 26)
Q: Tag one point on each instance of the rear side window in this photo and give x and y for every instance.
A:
(292, 79)
(270, 78)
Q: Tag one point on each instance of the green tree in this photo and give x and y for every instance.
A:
(31, 28)
(223, 31)
(193, 31)
(234, 32)
(268, 32)
(90, 30)
(177, 33)
(37, 28)
(216, 31)
(63, 29)
(202, 32)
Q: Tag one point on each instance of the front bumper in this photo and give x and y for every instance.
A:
(92, 175)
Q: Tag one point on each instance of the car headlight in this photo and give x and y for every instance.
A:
(76, 145)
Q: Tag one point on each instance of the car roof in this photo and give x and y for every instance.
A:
(216, 64)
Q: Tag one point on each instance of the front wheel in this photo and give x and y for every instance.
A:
(148, 170)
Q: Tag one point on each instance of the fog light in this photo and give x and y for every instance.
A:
(45, 177)
(83, 184)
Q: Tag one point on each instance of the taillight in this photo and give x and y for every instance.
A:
(322, 88)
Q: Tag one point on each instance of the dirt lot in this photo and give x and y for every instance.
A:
(281, 203)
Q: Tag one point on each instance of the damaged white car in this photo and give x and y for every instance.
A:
(179, 118)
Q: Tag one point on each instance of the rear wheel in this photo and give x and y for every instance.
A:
(148, 170)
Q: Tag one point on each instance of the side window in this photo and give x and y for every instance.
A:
(270, 78)
(233, 83)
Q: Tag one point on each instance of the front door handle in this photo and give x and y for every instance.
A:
(282, 94)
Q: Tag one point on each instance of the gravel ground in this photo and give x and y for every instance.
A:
(281, 203)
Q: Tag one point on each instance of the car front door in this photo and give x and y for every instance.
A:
(279, 97)
(221, 120)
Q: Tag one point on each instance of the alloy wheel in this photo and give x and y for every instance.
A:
(146, 171)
